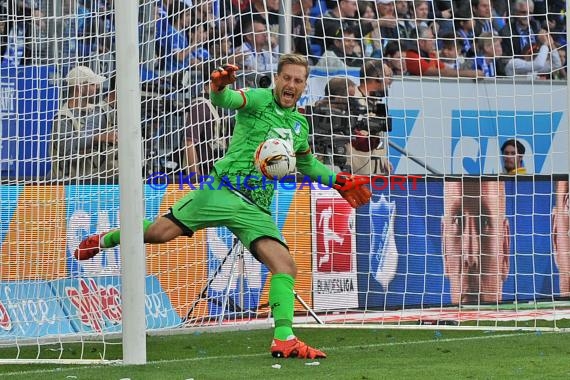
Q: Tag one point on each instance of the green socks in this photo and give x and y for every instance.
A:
(113, 238)
(282, 302)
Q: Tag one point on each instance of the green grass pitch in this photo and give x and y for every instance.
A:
(352, 354)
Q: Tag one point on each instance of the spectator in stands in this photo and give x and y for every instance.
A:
(500, 8)
(255, 53)
(164, 30)
(555, 21)
(103, 57)
(267, 9)
(522, 29)
(99, 25)
(499, 13)
(163, 7)
(5, 29)
(204, 14)
(419, 13)
(23, 24)
(560, 239)
(536, 59)
(368, 150)
(483, 17)
(177, 47)
(450, 53)
(371, 44)
(220, 49)
(302, 27)
(512, 152)
(83, 144)
(340, 15)
(475, 240)
(387, 21)
(329, 121)
(443, 15)
(199, 43)
(343, 53)
(464, 30)
(205, 141)
(266, 12)
(339, 90)
(406, 25)
(79, 28)
(423, 60)
(488, 48)
(561, 72)
(395, 57)
(109, 102)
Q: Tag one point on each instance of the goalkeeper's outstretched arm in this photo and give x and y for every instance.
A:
(352, 188)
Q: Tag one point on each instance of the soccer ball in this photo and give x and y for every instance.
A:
(275, 158)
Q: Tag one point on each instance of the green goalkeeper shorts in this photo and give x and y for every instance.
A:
(213, 207)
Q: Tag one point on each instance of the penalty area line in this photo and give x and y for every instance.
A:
(79, 367)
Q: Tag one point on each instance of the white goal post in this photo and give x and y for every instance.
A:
(104, 123)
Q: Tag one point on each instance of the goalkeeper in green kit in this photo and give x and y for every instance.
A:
(261, 114)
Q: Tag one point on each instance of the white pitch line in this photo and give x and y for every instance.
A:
(387, 344)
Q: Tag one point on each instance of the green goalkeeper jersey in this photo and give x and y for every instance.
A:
(258, 119)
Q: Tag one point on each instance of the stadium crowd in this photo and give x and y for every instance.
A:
(183, 40)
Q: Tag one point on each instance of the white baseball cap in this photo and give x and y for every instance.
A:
(83, 74)
(384, 1)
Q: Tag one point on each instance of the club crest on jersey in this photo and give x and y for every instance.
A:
(297, 127)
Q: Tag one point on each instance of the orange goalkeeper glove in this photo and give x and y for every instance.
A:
(223, 76)
(353, 188)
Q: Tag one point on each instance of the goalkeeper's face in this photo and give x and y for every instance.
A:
(476, 241)
(290, 84)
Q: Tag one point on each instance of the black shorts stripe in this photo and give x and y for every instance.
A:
(185, 230)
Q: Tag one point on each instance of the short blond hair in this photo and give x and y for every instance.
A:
(293, 59)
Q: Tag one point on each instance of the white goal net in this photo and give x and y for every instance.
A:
(435, 101)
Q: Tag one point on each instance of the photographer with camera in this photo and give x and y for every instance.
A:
(368, 150)
(329, 119)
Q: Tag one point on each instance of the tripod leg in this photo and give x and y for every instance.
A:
(308, 308)
(230, 280)
(204, 291)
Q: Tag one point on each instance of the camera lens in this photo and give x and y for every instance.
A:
(264, 81)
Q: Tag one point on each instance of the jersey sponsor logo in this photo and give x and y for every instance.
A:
(297, 127)
(335, 225)
(282, 133)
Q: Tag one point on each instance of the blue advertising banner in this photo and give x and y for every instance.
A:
(93, 209)
(29, 99)
(30, 309)
(476, 136)
(467, 241)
